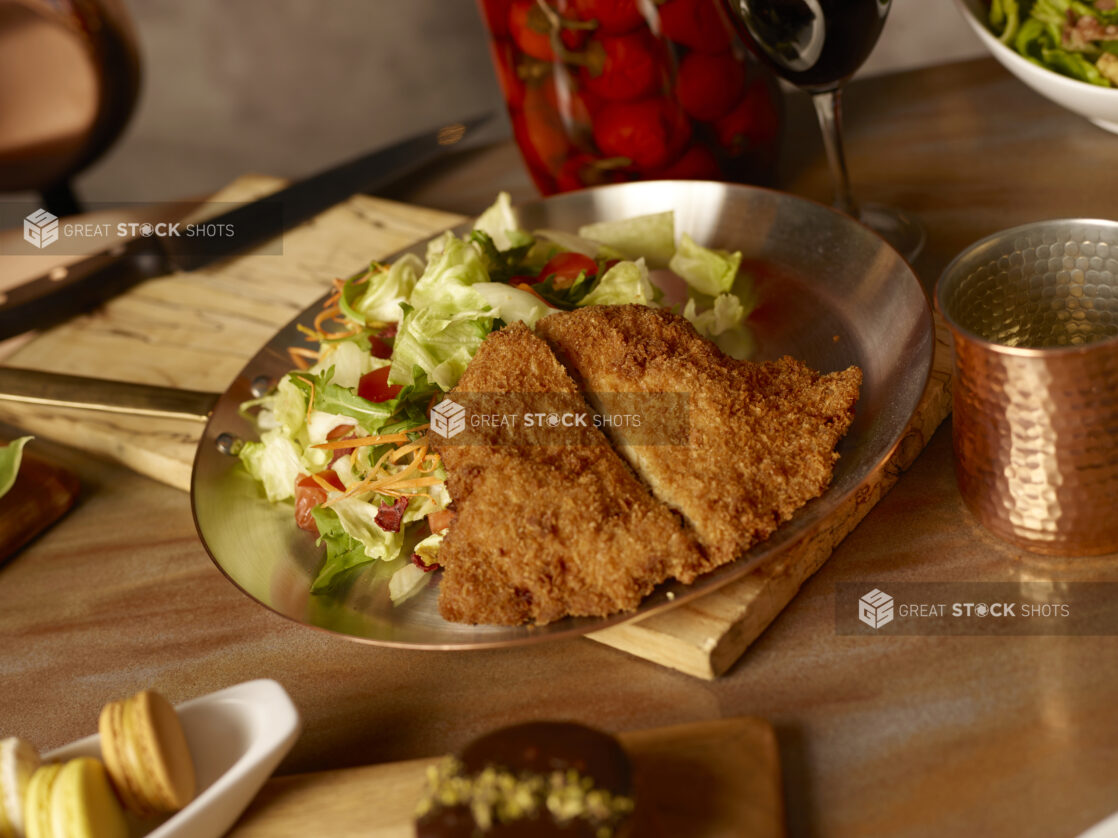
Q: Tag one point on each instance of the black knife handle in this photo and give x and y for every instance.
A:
(72, 289)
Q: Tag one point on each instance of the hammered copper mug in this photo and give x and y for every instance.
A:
(1033, 312)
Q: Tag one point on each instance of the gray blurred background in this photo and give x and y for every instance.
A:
(285, 87)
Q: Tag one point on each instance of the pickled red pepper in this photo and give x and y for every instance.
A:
(598, 92)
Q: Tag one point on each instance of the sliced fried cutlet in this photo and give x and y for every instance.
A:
(545, 531)
(762, 435)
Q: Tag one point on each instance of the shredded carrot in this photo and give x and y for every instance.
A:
(325, 315)
(353, 330)
(359, 442)
(324, 483)
(299, 356)
(405, 475)
(309, 335)
(379, 464)
(435, 460)
(397, 485)
(407, 449)
(408, 481)
(310, 401)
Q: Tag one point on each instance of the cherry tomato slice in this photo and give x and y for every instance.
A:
(374, 386)
(309, 494)
(339, 431)
(566, 267)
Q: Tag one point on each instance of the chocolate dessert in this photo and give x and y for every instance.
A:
(532, 780)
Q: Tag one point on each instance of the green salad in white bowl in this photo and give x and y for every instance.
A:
(1065, 50)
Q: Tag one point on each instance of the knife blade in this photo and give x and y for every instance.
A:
(72, 289)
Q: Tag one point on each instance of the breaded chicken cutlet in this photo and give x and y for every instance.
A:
(762, 435)
(546, 531)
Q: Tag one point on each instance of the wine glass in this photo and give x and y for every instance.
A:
(817, 45)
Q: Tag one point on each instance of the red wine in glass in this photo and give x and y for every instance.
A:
(817, 45)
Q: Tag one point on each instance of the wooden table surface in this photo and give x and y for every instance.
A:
(879, 735)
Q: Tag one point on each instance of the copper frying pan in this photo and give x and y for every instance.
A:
(831, 293)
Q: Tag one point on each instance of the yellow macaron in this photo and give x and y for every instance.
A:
(37, 801)
(146, 754)
(74, 800)
(18, 761)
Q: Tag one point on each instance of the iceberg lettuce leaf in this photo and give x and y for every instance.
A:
(349, 360)
(439, 345)
(513, 304)
(444, 287)
(649, 236)
(706, 270)
(358, 519)
(378, 299)
(724, 323)
(625, 282)
(276, 462)
(500, 224)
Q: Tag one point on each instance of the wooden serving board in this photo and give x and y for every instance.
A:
(42, 493)
(196, 331)
(718, 779)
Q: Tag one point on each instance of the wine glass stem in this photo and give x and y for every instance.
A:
(828, 108)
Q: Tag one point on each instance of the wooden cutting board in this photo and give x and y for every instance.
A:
(42, 493)
(718, 779)
(196, 331)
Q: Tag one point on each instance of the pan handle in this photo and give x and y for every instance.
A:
(58, 390)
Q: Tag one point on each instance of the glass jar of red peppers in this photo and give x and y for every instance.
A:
(605, 91)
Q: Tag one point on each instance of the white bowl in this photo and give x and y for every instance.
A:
(237, 736)
(1098, 104)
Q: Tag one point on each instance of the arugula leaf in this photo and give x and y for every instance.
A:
(502, 265)
(568, 297)
(332, 398)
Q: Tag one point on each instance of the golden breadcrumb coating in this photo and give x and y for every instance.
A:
(762, 435)
(545, 531)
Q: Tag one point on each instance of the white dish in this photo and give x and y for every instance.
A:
(1098, 104)
(237, 736)
(1107, 828)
